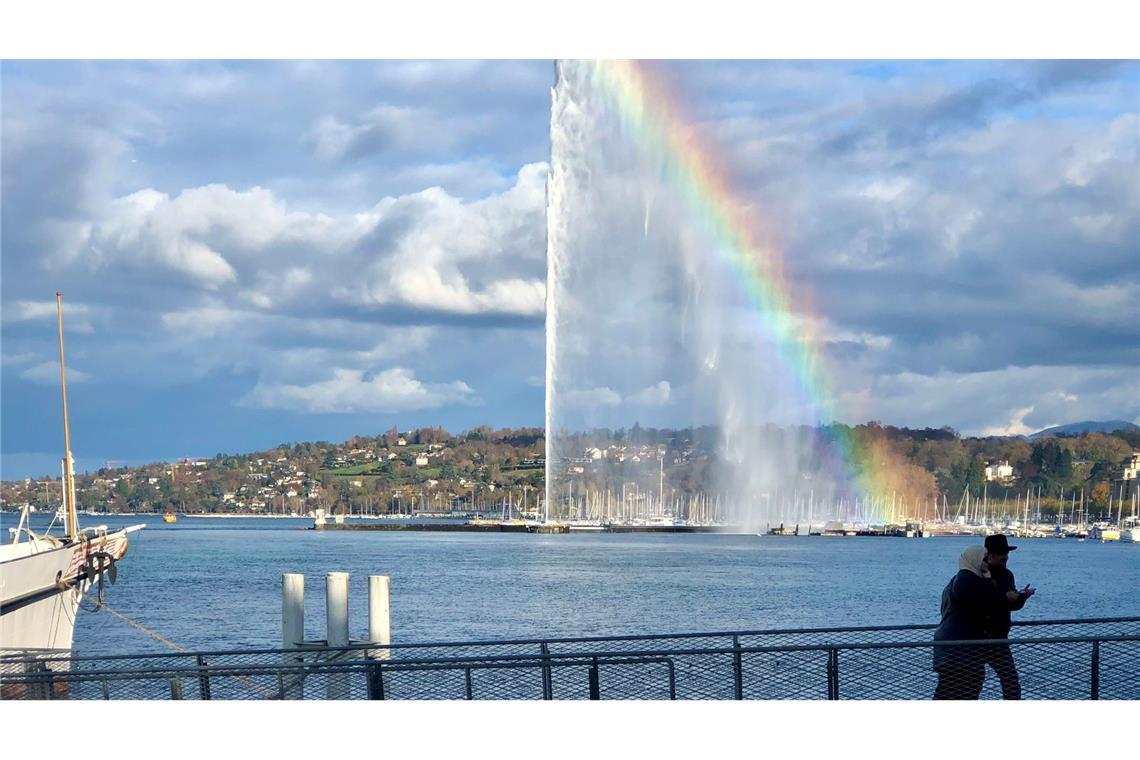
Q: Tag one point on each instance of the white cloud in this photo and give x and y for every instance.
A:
(211, 85)
(428, 251)
(886, 190)
(14, 359)
(1015, 426)
(593, 397)
(395, 343)
(660, 394)
(426, 288)
(76, 316)
(47, 373)
(203, 232)
(353, 391)
(204, 322)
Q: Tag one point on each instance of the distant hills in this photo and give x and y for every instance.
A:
(1076, 428)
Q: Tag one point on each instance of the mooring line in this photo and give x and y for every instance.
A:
(153, 634)
(160, 638)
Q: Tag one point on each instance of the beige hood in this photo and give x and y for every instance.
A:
(971, 560)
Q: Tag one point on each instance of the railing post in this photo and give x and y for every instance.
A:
(547, 686)
(595, 688)
(737, 669)
(39, 684)
(203, 678)
(833, 673)
(1094, 690)
(176, 688)
(376, 681)
(467, 682)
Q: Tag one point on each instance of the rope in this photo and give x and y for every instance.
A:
(158, 637)
(154, 635)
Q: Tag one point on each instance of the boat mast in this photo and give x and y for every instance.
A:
(68, 473)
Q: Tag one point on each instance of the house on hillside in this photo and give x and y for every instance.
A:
(1131, 467)
(1002, 472)
(1128, 480)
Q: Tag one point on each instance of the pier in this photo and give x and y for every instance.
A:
(491, 526)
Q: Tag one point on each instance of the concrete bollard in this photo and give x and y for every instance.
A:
(379, 610)
(292, 631)
(336, 619)
(379, 621)
(336, 601)
(292, 610)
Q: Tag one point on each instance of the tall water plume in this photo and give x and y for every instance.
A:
(655, 315)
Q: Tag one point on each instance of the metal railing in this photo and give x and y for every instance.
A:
(1055, 659)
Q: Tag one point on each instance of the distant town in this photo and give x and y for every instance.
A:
(431, 471)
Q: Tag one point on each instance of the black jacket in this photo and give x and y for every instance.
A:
(969, 602)
(998, 627)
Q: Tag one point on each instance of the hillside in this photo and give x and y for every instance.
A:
(430, 469)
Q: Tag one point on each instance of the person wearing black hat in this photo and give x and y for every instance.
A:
(998, 656)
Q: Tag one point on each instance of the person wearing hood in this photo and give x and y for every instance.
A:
(969, 600)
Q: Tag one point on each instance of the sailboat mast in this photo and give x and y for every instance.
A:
(68, 472)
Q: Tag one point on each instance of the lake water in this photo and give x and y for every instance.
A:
(215, 583)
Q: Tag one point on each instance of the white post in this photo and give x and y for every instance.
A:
(379, 619)
(292, 628)
(379, 610)
(336, 593)
(336, 601)
(292, 610)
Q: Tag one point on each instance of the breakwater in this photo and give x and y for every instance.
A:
(519, 527)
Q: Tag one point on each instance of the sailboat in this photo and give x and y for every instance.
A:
(43, 577)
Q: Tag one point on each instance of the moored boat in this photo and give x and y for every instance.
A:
(1104, 532)
(43, 577)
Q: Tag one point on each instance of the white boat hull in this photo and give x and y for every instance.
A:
(42, 583)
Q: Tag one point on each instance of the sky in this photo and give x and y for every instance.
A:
(254, 253)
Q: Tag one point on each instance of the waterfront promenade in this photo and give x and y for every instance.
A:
(1083, 659)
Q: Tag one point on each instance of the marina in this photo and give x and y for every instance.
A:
(910, 529)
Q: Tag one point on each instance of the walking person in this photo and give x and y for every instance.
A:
(967, 601)
(998, 656)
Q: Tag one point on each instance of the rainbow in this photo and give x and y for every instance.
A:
(658, 120)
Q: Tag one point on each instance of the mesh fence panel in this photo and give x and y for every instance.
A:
(1070, 659)
(791, 674)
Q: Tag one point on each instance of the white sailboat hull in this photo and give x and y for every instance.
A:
(42, 582)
